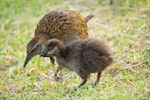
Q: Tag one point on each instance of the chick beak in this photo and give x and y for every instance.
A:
(42, 54)
(28, 57)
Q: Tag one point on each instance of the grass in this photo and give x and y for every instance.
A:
(125, 26)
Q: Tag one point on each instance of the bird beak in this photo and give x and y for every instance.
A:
(43, 53)
(27, 60)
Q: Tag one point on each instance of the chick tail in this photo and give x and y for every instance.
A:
(105, 61)
(111, 58)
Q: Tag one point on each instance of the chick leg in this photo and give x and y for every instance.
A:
(82, 82)
(98, 78)
(83, 77)
(52, 62)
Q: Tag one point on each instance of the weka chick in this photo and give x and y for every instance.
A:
(82, 56)
(65, 25)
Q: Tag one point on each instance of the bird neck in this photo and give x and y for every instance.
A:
(65, 51)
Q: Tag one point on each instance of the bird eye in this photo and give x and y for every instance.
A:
(50, 48)
(32, 50)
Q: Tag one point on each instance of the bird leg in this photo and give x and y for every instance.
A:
(52, 62)
(98, 78)
(82, 82)
(83, 77)
(56, 74)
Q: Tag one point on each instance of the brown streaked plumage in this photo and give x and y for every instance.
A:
(82, 56)
(65, 25)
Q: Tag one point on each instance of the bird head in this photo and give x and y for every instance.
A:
(53, 48)
(34, 47)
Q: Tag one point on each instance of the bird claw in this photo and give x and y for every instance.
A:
(57, 78)
(95, 84)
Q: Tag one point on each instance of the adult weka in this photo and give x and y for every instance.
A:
(65, 25)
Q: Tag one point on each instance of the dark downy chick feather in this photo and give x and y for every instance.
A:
(82, 56)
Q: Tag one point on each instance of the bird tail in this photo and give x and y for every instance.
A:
(111, 58)
(106, 61)
(87, 18)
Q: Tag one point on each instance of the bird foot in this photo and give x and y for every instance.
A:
(95, 84)
(57, 78)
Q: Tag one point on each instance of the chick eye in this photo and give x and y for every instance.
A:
(50, 48)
